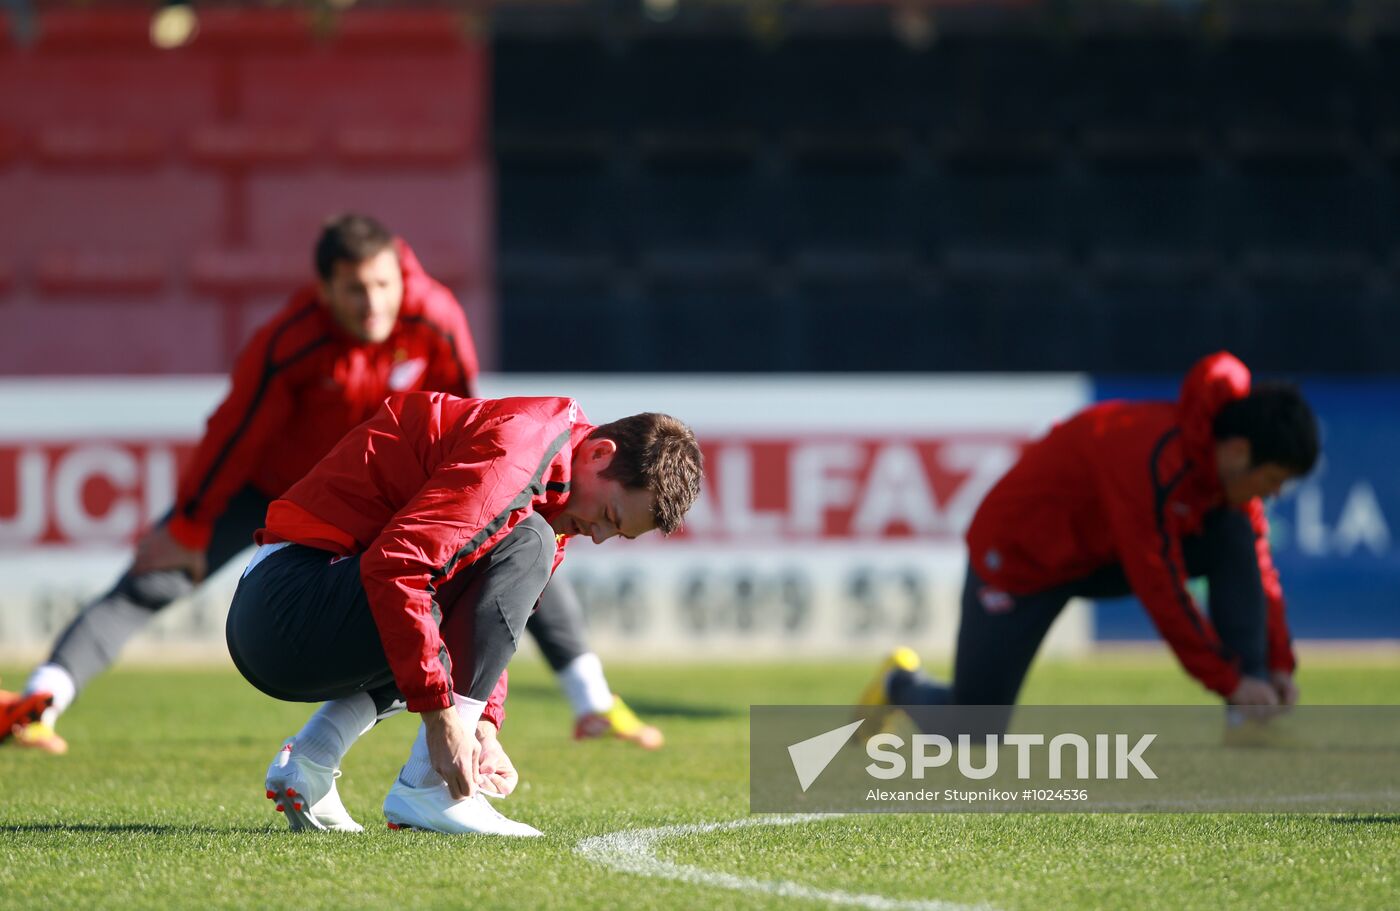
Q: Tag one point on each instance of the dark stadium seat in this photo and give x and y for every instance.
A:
(1162, 308)
(991, 84)
(876, 310)
(849, 189)
(1149, 81)
(715, 311)
(562, 313)
(565, 84)
(1261, 83)
(1144, 209)
(846, 82)
(1321, 211)
(1026, 307)
(695, 83)
(1312, 308)
(997, 210)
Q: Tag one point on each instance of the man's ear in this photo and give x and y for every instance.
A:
(601, 448)
(1235, 453)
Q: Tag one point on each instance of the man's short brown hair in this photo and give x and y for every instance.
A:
(658, 453)
(350, 237)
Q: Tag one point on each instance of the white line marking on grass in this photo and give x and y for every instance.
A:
(634, 851)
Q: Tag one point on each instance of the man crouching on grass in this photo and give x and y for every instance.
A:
(400, 571)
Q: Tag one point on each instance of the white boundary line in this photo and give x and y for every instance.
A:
(634, 851)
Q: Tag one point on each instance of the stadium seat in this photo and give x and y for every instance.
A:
(10, 145)
(566, 313)
(556, 189)
(714, 311)
(86, 334)
(1312, 308)
(1027, 310)
(239, 272)
(998, 210)
(1145, 293)
(393, 87)
(164, 92)
(97, 273)
(92, 146)
(857, 309)
(1145, 150)
(250, 145)
(442, 209)
(691, 84)
(1309, 211)
(565, 84)
(404, 147)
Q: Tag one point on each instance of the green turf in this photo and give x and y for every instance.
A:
(159, 805)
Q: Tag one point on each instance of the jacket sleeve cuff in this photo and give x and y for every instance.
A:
(188, 533)
(430, 702)
(495, 714)
(1224, 682)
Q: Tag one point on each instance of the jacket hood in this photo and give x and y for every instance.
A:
(417, 283)
(1214, 380)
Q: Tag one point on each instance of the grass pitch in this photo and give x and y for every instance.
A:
(159, 805)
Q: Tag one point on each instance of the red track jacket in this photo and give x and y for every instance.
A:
(1124, 482)
(301, 383)
(421, 490)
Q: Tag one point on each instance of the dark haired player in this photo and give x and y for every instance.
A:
(399, 573)
(1135, 498)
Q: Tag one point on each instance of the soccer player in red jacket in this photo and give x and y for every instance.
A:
(400, 572)
(1135, 497)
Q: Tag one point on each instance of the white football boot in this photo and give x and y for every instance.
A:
(432, 808)
(305, 791)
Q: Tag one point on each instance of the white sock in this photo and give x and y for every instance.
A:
(418, 772)
(585, 686)
(50, 678)
(330, 733)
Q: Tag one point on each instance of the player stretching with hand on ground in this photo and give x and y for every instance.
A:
(372, 324)
(1135, 498)
(400, 573)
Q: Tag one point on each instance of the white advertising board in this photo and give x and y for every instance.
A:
(830, 523)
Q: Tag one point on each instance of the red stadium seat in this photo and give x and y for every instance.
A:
(244, 145)
(101, 273)
(9, 146)
(387, 146)
(89, 146)
(250, 271)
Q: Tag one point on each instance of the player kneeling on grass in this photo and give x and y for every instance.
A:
(401, 570)
(1136, 498)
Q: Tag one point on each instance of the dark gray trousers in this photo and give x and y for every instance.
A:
(558, 624)
(300, 627)
(995, 649)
